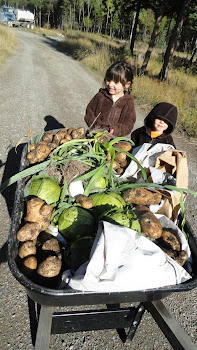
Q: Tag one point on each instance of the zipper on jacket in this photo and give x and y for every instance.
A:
(111, 113)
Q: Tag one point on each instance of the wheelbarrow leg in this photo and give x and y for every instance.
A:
(44, 328)
(173, 332)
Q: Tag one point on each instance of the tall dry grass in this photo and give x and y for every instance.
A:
(8, 43)
(98, 52)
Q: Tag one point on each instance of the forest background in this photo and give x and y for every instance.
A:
(158, 37)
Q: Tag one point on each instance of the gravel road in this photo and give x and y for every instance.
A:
(43, 86)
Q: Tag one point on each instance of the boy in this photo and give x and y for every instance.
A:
(158, 126)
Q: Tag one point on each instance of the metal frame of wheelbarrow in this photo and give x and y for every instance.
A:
(125, 320)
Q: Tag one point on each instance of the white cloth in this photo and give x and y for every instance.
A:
(123, 260)
(146, 155)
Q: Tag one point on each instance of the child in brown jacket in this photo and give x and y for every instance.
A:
(112, 108)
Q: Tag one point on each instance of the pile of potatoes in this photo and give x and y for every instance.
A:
(39, 253)
(121, 160)
(40, 151)
(167, 239)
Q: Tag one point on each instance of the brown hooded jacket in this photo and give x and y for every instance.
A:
(119, 116)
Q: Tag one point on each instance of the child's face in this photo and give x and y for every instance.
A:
(160, 125)
(116, 88)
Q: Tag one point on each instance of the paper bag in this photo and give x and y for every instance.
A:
(173, 162)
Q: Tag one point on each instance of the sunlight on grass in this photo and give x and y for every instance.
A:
(8, 43)
(180, 89)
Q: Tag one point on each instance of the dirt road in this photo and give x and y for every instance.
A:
(43, 87)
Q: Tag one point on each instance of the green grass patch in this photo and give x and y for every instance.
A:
(8, 42)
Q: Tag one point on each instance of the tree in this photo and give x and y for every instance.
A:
(114, 24)
(134, 28)
(173, 39)
(153, 37)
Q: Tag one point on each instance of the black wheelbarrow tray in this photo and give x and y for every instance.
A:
(112, 316)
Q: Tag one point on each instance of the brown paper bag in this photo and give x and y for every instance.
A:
(173, 162)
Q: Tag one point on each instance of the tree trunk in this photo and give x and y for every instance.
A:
(153, 38)
(135, 27)
(173, 40)
(193, 53)
(71, 18)
(40, 18)
(134, 16)
(74, 14)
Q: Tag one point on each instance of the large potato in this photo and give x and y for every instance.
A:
(50, 267)
(126, 146)
(26, 249)
(28, 232)
(30, 262)
(141, 196)
(180, 257)
(170, 239)
(149, 223)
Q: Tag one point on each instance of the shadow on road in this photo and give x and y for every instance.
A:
(56, 44)
(12, 166)
(52, 123)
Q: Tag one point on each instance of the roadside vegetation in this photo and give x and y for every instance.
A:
(8, 43)
(97, 52)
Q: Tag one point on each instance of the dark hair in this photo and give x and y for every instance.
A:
(120, 72)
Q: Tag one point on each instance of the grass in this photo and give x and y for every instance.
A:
(98, 52)
(8, 42)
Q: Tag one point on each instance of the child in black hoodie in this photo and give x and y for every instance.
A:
(158, 126)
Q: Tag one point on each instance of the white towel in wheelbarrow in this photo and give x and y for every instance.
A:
(123, 260)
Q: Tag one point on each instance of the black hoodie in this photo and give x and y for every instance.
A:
(164, 111)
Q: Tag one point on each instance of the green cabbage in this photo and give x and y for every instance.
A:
(46, 189)
(80, 252)
(125, 217)
(106, 201)
(116, 216)
(76, 222)
(101, 182)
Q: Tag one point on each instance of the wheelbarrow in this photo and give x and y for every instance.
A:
(125, 320)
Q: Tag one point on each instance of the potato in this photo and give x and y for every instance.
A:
(60, 135)
(149, 223)
(141, 196)
(32, 146)
(50, 267)
(108, 156)
(78, 133)
(40, 153)
(126, 146)
(119, 170)
(123, 164)
(70, 130)
(51, 244)
(170, 239)
(28, 232)
(39, 212)
(48, 136)
(180, 257)
(30, 262)
(85, 201)
(104, 138)
(26, 249)
(120, 157)
(66, 138)
(115, 165)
